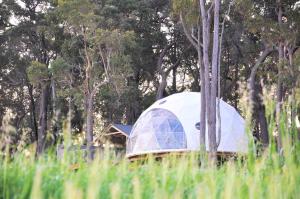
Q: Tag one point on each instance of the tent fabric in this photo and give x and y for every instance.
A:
(172, 124)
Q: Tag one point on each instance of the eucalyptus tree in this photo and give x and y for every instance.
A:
(103, 52)
(198, 31)
(190, 11)
(145, 19)
(35, 37)
(275, 26)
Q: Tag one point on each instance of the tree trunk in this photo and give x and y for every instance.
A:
(162, 86)
(211, 85)
(133, 111)
(263, 126)
(205, 39)
(174, 81)
(42, 130)
(279, 94)
(203, 105)
(260, 119)
(88, 95)
(55, 113)
(214, 81)
(70, 115)
(89, 124)
(257, 108)
(33, 113)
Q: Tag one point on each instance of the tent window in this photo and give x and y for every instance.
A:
(157, 129)
(197, 125)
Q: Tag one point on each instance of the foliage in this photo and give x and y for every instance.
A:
(43, 43)
(188, 8)
(59, 68)
(37, 73)
(269, 176)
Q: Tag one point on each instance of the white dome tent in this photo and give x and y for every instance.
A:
(172, 125)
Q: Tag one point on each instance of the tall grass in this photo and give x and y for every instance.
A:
(269, 175)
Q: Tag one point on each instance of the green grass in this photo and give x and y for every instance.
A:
(269, 175)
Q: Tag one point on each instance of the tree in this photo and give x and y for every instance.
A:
(273, 26)
(114, 58)
(206, 64)
(35, 36)
(257, 107)
(188, 11)
(164, 71)
(38, 75)
(104, 56)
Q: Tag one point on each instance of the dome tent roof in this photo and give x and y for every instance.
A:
(172, 124)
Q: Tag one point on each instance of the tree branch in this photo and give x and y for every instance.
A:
(193, 41)
(211, 7)
(176, 64)
(173, 66)
(161, 56)
(97, 86)
(261, 59)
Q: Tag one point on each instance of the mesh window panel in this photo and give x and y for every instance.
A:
(157, 129)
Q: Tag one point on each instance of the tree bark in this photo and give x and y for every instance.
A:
(256, 107)
(174, 80)
(33, 113)
(210, 84)
(42, 130)
(214, 81)
(55, 112)
(205, 40)
(70, 115)
(89, 124)
(202, 105)
(162, 86)
(264, 133)
(251, 80)
(279, 94)
(88, 98)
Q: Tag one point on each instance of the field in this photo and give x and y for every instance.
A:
(268, 176)
(260, 174)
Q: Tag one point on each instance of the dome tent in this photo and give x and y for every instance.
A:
(172, 125)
